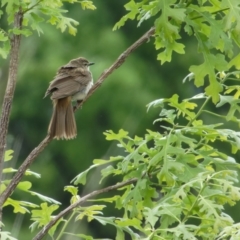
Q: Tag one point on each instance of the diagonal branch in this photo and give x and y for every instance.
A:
(32, 156)
(46, 228)
(120, 60)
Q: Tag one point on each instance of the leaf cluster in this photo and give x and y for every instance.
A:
(33, 14)
(214, 24)
(183, 179)
(21, 206)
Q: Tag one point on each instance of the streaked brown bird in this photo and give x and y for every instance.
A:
(71, 83)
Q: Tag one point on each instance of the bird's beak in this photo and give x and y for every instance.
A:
(91, 63)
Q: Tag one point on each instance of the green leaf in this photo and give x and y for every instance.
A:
(126, 222)
(9, 170)
(167, 30)
(170, 213)
(42, 217)
(19, 206)
(167, 115)
(3, 36)
(87, 5)
(73, 190)
(207, 68)
(108, 171)
(209, 207)
(26, 32)
(110, 135)
(235, 62)
(24, 186)
(69, 23)
(235, 36)
(90, 212)
(44, 198)
(6, 236)
(120, 234)
(156, 103)
(34, 21)
(82, 177)
(4, 50)
(133, 9)
(31, 173)
(8, 155)
(152, 215)
(232, 16)
(226, 99)
(182, 107)
(12, 6)
(232, 231)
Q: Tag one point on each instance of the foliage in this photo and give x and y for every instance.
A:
(183, 180)
(20, 206)
(214, 24)
(35, 13)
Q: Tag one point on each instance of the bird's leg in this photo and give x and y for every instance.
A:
(78, 102)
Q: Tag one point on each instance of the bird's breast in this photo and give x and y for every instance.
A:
(83, 93)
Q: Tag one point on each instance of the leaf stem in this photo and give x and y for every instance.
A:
(214, 114)
(65, 225)
(33, 6)
(195, 202)
(199, 111)
(213, 13)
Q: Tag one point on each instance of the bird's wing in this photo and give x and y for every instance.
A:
(67, 84)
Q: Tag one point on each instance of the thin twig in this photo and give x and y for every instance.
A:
(46, 228)
(32, 156)
(33, 6)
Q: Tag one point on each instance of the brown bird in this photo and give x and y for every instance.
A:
(71, 83)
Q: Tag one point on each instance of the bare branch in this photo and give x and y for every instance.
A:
(46, 228)
(9, 93)
(29, 160)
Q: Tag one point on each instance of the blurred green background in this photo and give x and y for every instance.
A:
(119, 103)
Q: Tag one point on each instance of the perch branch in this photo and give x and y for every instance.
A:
(120, 60)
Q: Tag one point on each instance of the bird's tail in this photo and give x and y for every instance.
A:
(62, 124)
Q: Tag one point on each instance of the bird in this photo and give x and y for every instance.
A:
(71, 83)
